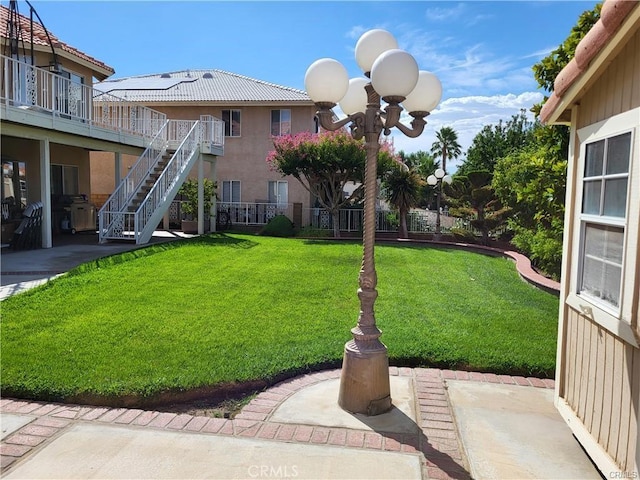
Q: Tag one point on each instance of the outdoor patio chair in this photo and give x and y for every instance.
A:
(28, 235)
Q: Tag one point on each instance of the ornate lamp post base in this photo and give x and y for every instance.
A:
(364, 383)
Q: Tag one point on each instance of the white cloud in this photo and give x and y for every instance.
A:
(438, 14)
(467, 69)
(540, 54)
(467, 116)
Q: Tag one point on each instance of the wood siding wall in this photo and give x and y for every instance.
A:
(617, 90)
(599, 374)
(602, 386)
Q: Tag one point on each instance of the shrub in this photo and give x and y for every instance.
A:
(278, 226)
(189, 192)
(543, 247)
(462, 235)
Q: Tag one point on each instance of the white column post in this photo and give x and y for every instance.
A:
(45, 193)
(213, 214)
(200, 195)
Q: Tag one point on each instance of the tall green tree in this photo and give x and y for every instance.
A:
(531, 180)
(546, 71)
(532, 183)
(496, 141)
(424, 164)
(446, 145)
(472, 197)
(402, 187)
(324, 163)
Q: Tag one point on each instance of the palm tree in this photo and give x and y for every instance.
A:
(446, 145)
(402, 189)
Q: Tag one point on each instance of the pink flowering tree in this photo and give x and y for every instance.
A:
(324, 163)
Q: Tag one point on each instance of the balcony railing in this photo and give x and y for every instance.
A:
(35, 89)
(32, 88)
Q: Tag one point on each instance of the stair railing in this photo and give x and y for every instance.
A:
(113, 217)
(148, 214)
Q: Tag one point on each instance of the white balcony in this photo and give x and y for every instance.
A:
(38, 98)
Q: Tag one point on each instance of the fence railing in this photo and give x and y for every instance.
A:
(243, 213)
(350, 220)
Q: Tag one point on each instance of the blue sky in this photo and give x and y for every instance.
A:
(481, 51)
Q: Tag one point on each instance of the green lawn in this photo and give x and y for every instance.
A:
(230, 308)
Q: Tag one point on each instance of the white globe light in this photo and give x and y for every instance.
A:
(355, 100)
(394, 74)
(447, 179)
(370, 45)
(326, 80)
(439, 173)
(432, 180)
(426, 95)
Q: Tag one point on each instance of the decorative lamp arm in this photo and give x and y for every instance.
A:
(325, 117)
(417, 123)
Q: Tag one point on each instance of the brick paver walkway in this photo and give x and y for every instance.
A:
(437, 442)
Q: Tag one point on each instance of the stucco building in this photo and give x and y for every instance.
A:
(253, 111)
(50, 123)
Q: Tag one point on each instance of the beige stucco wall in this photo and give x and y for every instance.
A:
(43, 58)
(28, 151)
(244, 157)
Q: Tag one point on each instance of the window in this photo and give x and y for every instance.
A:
(14, 186)
(69, 94)
(231, 191)
(604, 233)
(64, 180)
(231, 119)
(280, 122)
(279, 192)
(604, 200)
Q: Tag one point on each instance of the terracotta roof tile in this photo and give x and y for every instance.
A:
(40, 38)
(612, 16)
(566, 77)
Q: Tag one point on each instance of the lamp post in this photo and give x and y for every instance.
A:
(438, 178)
(393, 76)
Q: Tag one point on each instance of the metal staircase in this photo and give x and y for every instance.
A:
(136, 207)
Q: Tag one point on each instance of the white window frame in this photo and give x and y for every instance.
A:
(231, 184)
(280, 132)
(230, 123)
(615, 319)
(277, 184)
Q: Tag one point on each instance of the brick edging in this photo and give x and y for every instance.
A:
(437, 442)
(523, 264)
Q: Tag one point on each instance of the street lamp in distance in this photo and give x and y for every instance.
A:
(437, 179)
